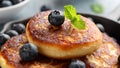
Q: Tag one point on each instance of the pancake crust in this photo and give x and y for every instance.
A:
(62, 43)
(104, 57)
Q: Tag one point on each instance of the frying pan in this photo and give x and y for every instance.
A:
(111, 27)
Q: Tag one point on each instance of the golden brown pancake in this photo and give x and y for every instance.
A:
(104, 57)
(9, 56)
(62, 43)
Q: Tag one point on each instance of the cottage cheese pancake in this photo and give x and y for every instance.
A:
(104, 57)
(62, 43)
(10, 58)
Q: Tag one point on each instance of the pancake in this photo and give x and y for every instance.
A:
(104, 57)
(62, 43)
(9, 56)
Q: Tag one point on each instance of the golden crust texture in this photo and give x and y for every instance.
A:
(104, 57)
(62, 43)
(9, 56)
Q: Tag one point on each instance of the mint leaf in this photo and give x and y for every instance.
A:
(70, 13)
(77, 23)
(97, 8)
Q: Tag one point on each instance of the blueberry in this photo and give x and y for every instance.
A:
(44, 8)
(28, 52)
(55, 18)
(3, 38)
(20, 28)
(77, 64)
(101, 28)
(12, 33)
(16, 1)
(5, 3)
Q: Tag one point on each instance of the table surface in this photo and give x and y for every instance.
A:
(82, 6)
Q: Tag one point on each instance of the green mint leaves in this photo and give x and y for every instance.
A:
(97, 8)
(70, 13)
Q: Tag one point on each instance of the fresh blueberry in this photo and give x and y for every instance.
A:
(90, 18)
(20, 28)
(101, 28)
(28, 52)
(5, 3)
(3, 38)
(77, 64)
(12, 33)
(44, 8)
(55, 18)
(16, 1)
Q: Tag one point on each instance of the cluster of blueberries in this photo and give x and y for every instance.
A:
(28, 51)
(6, 3)
(16, 29)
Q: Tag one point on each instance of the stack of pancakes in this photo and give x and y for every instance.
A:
(57, 47)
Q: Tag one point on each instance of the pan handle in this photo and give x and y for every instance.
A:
(115, 14)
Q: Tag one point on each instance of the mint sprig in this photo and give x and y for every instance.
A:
(70, 13)
(97, 8)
